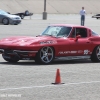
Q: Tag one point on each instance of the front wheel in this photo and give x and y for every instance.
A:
(95, 57)
(45, 55)
(5, 21)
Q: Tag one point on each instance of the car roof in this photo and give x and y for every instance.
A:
(69, 25)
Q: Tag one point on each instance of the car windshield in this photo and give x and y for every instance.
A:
(57, 31)
(3, 12)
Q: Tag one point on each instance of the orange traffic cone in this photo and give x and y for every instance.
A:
(58, 79)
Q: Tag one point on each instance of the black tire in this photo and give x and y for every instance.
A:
(5, 21)
(9, 59)
(95, 57)
(22, 16)
(45, 55)
(26, 12)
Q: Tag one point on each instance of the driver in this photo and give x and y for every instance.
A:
(77, 32)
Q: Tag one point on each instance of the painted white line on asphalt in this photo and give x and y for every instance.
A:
(30, 87)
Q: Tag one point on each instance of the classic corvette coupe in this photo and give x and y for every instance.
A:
(58, 41)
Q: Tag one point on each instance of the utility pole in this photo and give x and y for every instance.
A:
(44, 13)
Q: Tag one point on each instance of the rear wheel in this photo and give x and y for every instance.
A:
(45, 55)
(5, 21)
(13, 58)
(95, 57)
(26, 12)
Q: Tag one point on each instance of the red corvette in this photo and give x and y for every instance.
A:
(60, 41)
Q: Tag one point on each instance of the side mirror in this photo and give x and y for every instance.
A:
(78, 36)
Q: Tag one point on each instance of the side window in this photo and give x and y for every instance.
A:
(94, 33)
(79, 31)
(73, 35)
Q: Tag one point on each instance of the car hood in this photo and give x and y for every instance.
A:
(26, 41)
(12, 16)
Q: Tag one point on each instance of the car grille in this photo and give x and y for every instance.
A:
(8, 51)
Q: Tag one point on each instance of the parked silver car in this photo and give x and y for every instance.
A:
(7, 19)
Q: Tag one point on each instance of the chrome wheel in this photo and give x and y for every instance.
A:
(98, 52)
(95, 57)
(45, 55)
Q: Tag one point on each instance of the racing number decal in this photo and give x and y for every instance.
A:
(86, 52)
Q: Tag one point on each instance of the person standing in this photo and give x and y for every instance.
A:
(82, 13)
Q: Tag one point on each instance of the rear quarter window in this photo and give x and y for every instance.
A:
(94, 33)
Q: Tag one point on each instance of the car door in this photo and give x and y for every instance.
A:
(80, 45)
(62, 48)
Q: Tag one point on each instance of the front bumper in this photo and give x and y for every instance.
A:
(21, 54)
(15, 21)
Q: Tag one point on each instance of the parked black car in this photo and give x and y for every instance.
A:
(96, 16)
